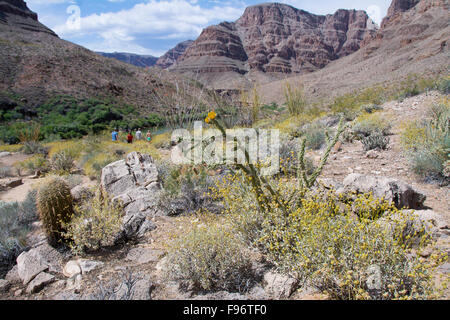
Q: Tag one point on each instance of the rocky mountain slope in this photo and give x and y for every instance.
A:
(172, 56)
(275, 38)
(35, 64)
(131, 58)
(410, 41)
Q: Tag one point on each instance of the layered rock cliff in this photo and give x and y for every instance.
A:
(276, 38)
(16, 13)
(172, 56)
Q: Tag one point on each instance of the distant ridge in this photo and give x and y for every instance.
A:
(131, 58)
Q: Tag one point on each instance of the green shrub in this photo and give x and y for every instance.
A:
(295, 99)
(55, 206)
(97, 224)
(62, 162)
(6, 172)
(15, 223)
(370, 108)
(12, 236)
(444, 86)
(315, 136)
(427, 144)
(210, 259)
(36, 163)
(289, 159)
(368, 124)
(34, 147)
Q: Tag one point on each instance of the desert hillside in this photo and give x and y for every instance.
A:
(308, 158)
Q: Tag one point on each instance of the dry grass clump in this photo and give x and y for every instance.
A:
(210, 258)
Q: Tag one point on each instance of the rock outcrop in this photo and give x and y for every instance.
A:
(134, 182)
(16, 12)
(172, 56)
(395, 191)
(276, 38)
(397, 7)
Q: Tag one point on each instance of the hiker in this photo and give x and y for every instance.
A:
(139, 134)
(130, 138)
(115, 135)
(149, 136)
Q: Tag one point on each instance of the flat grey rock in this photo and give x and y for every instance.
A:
(144, 255)
(39, 282)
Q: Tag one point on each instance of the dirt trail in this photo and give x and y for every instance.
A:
(392, 162)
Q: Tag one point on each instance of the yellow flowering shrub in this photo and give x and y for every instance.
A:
(70, 147)
(94, 165)
(10, 147)
(349, 250)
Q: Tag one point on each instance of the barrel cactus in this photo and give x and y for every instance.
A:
(55, 207)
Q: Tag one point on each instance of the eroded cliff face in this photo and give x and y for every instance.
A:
(277, 38)
(172, 56)
(16, 13)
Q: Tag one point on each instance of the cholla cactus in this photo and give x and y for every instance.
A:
(375, 141)
(55, 207)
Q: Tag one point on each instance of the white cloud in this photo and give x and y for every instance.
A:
(154, 18)
(48, 2)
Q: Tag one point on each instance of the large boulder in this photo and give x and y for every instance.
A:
(39, 259)
(402, 195)
(135, 183)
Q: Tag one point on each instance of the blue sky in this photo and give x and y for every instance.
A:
(154, 26)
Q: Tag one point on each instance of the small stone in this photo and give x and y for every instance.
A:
(71, 269)
(39, 282)
(88, 265)
(74, 283)
(18, 292)
(425, 253)
(372, 154)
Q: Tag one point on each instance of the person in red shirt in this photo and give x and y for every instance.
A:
(130, 138)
